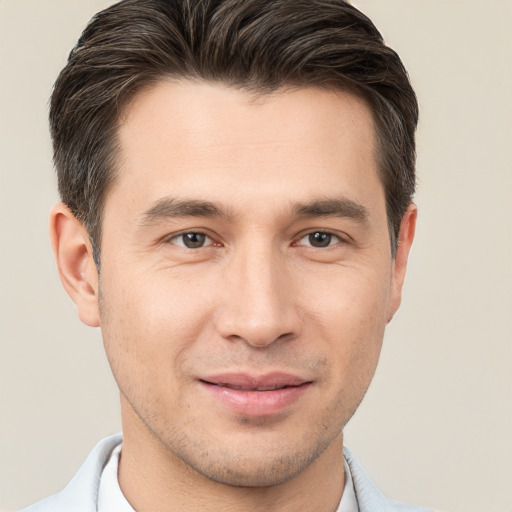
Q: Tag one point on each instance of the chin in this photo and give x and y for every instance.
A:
(261, 473)
(263, 466)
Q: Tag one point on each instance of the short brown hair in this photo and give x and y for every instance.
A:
(255, 45)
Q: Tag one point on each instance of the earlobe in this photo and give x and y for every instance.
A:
(405, 239)
(74, 256)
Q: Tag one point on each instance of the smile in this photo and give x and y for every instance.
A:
(256, 396)
(245, 388)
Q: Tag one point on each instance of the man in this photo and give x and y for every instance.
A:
(236, 180)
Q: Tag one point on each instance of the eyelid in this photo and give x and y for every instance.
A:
(342, 237)
(168, 239)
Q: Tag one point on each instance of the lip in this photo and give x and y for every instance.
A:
(256, 395)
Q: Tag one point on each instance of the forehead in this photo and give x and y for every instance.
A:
(185, 108)
(191, 136)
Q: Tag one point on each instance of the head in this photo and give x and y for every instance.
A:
(244, 172)
(257, 46)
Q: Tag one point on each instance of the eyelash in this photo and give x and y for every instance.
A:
(338, 238)
(172, 239)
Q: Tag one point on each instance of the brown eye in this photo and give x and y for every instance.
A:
(319, 239)
(191, 240)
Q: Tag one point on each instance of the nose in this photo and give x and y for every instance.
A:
(259, 303)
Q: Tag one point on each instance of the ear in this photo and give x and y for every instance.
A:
(77, 270)
(405, 239)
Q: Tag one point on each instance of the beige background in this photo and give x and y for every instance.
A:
(436, 426)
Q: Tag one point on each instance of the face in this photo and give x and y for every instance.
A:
(246, 275)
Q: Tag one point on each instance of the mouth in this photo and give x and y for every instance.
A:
(256, 396)
(249, 388)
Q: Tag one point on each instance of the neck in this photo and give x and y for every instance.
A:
(153, 479)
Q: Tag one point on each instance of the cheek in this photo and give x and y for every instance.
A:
(353, 300)
(351, 311)
(148, 324)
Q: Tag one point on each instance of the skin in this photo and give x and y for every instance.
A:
(257, 297)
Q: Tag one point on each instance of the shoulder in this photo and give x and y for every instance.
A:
(369, 497)
(81, 494)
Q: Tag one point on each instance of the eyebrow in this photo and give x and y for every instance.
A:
(172, 207)
(345, 208)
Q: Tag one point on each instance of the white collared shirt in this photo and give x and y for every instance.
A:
(110, 496)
